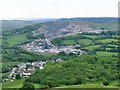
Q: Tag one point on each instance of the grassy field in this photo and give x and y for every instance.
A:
(16, 84)
(19, 83)
(112, 45)
(69, 42)
(106, 54)
(107, 40)
(92, 47)
(85, 42)
(10, 63)
(114, 83)
(88, 86)
(26, 56)
(17, 39)
(92, 36)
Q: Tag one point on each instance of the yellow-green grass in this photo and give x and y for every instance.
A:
(69, 42)
(108, 48)
(17, 39)
(92, 36)
(85, 42)
(88, 86)
(106, 54)
(115, 83)
(17, 84)
(0, 75)
(0, 86)
(92, 47)
(116, 36)
(10, 63)
(112, 45)
(108, 40)
(14, 84)
(26, 56)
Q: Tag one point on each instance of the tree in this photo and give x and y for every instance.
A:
(49, 83)
(61, 53)
(105, 82)
(27, 86)
(17, 76)
(78, 80)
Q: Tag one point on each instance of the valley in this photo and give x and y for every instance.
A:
(76, 53)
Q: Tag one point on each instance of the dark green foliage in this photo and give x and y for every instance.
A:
(30, 36)
(49, 83)
(105, 82)
(61, 53)
(18, 54)
(5, 69)
(27, 86)
(78, 80)
(17, 76)
(79, 70)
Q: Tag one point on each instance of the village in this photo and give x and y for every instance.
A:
(24, 70)
(45, 46)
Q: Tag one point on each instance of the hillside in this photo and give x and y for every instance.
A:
(72, 26)
(77, 52)
(13, 24)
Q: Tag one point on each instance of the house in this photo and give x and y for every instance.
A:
(59, 60)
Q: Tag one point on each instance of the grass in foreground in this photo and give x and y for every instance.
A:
(88, 86)
(17, 84)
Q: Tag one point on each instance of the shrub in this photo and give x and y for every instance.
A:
(105, 82)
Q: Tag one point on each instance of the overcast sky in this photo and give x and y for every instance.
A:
(16, 9)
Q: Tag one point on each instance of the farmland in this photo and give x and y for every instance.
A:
(91, 47)
(108, 40)
(16, 40)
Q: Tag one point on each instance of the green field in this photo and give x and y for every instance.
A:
(92, 47)
(10, 63)
(19, 83)
(112, 45)
(17, 39)
(16, 84)
(85, 42)
(108, 40)
(69, 42)
(106, 54)
(88, 86)
(92, 36)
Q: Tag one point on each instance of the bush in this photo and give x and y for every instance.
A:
(17, 76)
(49, 83)
(105, 82)
(27, 86)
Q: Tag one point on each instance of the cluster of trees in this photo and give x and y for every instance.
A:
(60, 41)
(100, 36)
(27, 86)
(30, 36)
(104, 47)
(109, 33)
(18, 54)
(79, 70)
